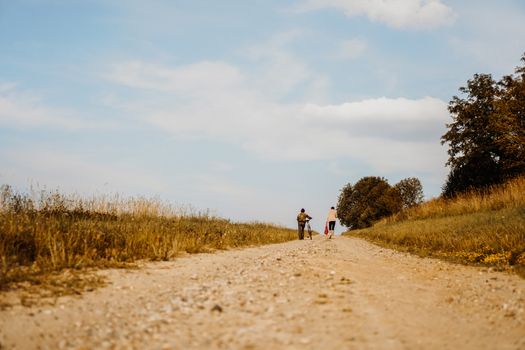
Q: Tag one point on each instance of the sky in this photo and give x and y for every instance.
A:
(251, 110)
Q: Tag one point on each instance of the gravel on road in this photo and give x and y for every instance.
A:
(343, 293)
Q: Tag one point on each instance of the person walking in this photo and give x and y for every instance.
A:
(330, 220)
(302, 217)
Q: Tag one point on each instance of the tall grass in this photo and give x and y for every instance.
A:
(479, 227)
(47, 231)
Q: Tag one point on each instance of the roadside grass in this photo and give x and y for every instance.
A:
(46, 235)
(477, 228)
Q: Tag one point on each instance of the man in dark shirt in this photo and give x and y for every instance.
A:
(302, 217)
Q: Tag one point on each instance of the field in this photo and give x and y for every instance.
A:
(483, 228)
(262, 297)
(45, 232)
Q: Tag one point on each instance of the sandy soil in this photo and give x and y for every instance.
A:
(339, 294)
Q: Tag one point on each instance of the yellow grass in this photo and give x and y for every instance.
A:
(45, 232)
(486, 228)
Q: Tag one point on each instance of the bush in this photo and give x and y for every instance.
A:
(369, 200)
(411, 192)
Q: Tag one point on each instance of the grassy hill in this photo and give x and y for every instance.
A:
(483, 228)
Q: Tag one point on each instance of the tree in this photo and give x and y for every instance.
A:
(473, 154)
(487, 136)
(369, 200)
(411, 192)
(510, 109)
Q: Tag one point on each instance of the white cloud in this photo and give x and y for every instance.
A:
(494, 48)
(72, 171)
(222, 167)
(7, 86)
(223, 187)
(278, 71)
(418, 14)
(400, 118)
(351, 49)
(188, 80)
(389, 134)
(21, 109)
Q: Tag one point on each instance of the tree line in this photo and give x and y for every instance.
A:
(486, 141)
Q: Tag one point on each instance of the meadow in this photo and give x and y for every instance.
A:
(480, 227)
(46, 232)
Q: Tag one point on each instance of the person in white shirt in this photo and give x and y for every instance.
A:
(330, 220)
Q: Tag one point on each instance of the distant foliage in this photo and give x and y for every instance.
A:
(369, 200)
(410, 191)
(487, 136)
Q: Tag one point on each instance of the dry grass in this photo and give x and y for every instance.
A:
(42, 233)
(486, 228)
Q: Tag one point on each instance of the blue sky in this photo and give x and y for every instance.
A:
(252, 109)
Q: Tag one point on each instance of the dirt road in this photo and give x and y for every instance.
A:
(338, 294)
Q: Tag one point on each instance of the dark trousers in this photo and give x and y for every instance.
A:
(301, 229)
(331, 225)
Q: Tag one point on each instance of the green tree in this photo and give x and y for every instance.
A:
(411, 192)
(487, 136)
(369, 200)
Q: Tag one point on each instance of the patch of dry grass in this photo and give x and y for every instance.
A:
(42, 233)
(486, 228)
